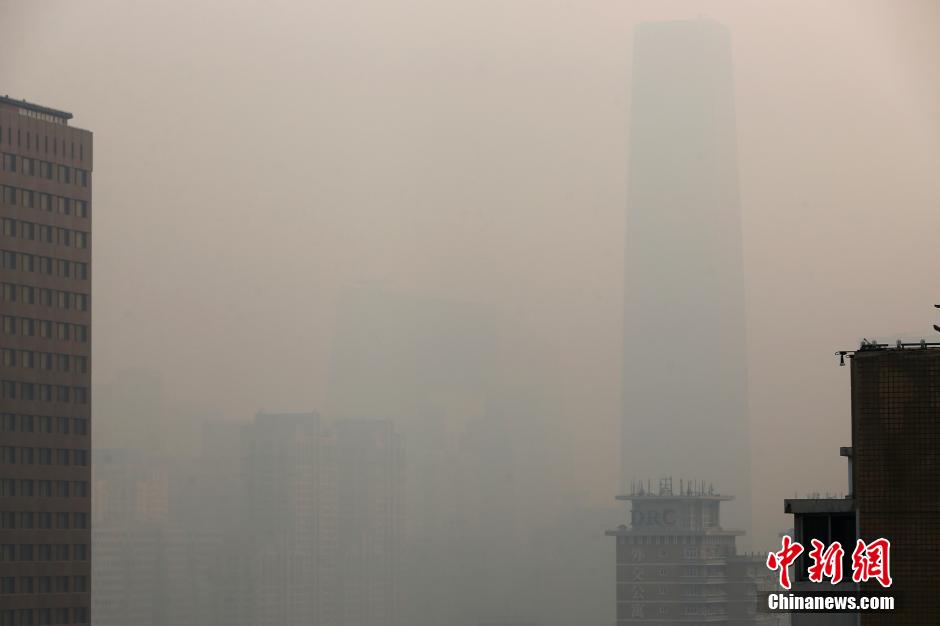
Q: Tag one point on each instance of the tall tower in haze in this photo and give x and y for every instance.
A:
(684, 385)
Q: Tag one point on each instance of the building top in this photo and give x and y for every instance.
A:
(809, 506)
(683, 496)
(868, 347)
(624, 531)
(688, 490)
(38, 111)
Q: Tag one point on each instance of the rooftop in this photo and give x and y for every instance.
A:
(868, 346)
(688, 490)
(678, 496)
(803, 506)
(36, 108)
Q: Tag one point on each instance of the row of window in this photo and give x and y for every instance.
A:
(27, 198)
(11, 455)
(42, 617)
(31, 359)
(27, 520)
(29, 488)
(31, 327)
(44, 552)
(44, 584)
(32, 392)
(46, 117)
(32, 139)
(674, 540)
(12, 422)
(32, 231)
(44, 169)
(25, 262)
(27, 294)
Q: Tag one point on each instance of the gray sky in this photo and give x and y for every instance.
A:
(255, 159)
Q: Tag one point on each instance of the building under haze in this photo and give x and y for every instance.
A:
(684, 375)
(676, 564)
(487, 531)
(369, 521)
(45, 368)
(291, 498)
(284, 520)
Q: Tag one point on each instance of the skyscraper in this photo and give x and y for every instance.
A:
(45, 368)
(684, 375)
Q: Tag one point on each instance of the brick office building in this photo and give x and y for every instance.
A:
(45, 366)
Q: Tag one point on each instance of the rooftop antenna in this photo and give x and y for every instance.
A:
(935, 326)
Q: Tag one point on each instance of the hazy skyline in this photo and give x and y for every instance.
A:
(255, 160)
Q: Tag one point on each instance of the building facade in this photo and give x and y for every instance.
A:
(896, 472)
(45, 366)
(676, 564)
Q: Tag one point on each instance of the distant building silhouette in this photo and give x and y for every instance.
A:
(482, 463)
(369, 489)
(290, 489)
(684, 374)
(285, 520)
(151, 567)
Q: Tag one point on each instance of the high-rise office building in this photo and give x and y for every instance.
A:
(676, 563)
(45, 367)
(684, 375)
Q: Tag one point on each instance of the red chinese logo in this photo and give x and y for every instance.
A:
(826, 563)
(872, 561)
(783, 559)
(869, 561)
